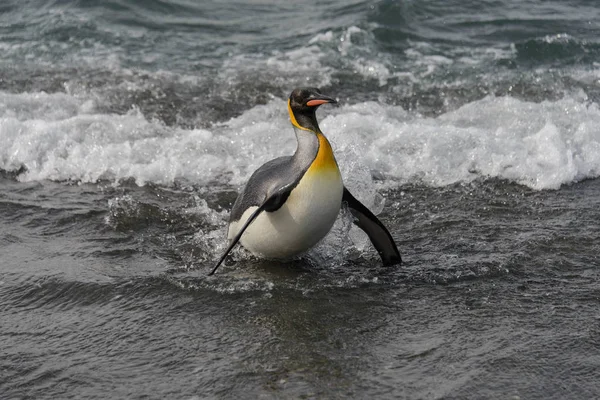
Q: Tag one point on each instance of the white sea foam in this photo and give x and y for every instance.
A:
(541, 145)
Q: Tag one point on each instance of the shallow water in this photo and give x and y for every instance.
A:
(127, 129)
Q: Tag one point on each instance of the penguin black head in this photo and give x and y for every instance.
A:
(302, 104)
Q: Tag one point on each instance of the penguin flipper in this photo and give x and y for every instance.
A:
(374, 228)
(272, 203)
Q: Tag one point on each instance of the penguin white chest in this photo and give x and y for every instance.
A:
(303, 220)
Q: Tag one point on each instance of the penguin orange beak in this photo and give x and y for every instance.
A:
(320, 100)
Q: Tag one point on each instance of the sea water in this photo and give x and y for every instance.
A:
(127, 129)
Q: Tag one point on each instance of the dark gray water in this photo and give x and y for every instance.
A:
(127, 127)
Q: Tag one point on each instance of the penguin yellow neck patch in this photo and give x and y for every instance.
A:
(325, 160)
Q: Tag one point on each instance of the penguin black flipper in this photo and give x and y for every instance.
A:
(377, 232)
(273, 203)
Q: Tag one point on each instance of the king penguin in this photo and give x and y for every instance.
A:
(290, 203)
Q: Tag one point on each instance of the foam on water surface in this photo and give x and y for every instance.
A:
(541, 145)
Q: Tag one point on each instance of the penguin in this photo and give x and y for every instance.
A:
(290, 203)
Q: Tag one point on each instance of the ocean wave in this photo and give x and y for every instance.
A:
(541, 145)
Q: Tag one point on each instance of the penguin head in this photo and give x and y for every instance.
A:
(302, 104)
